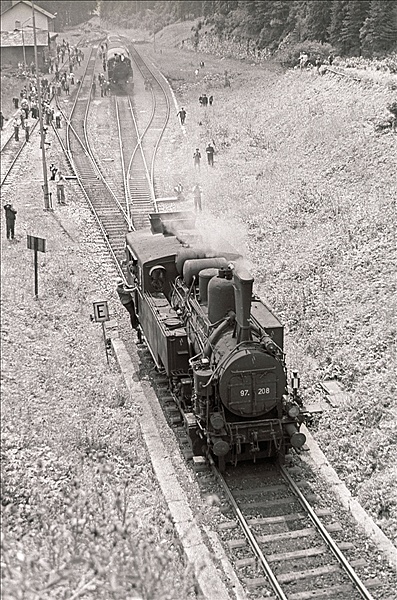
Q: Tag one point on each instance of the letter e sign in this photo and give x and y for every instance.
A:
(101, 311)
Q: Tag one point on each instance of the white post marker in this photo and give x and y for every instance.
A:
(101, 315)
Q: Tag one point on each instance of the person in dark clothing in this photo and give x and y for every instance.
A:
(210, 100)
(126, 300)
(210, 154)
(27, 131)
(53, 171)
(205, 100)
(10, 220)
(2, 119)
(182, 115)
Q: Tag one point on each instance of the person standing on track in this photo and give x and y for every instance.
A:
(126, 300)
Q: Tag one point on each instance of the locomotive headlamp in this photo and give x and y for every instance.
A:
(220, 447)
(293, 410)
(269, 345)
(217, 421)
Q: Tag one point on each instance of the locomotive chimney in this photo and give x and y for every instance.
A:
(242, 283)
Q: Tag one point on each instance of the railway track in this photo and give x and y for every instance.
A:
(107, 208)
(11, 149)
(138, 189)
(158, 119)
(122, 198)
(10, 153)
(281, 546)
(282, 540)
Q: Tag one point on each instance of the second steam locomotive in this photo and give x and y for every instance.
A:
(118, 60)
(220, 346)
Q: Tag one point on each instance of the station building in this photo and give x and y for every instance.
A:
(16, 37)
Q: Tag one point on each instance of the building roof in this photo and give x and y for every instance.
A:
(14, 39)
(29, 4)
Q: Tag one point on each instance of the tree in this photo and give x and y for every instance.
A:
(338, 15)
(379, 31)
(318, 20)
(356, 13)
(296, 21)
(69, 13)
(274, 23)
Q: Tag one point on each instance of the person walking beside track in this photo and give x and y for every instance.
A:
(182, 115)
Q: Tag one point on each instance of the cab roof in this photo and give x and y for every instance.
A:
(117, 50)
(148, 247)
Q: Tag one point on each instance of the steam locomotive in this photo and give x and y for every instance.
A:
(220, 346)
(118, 60)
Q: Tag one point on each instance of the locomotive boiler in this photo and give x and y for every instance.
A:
(118, 60)
(219, 344)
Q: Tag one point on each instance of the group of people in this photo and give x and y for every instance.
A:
(197, 192)
(104, 85)
(210, 151)
(305, 61)
(27, 106)
(205, 100)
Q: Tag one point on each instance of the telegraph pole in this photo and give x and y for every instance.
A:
(47, 197)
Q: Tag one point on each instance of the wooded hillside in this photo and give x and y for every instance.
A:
(353, 27)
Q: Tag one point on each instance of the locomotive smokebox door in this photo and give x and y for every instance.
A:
(249, 382)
